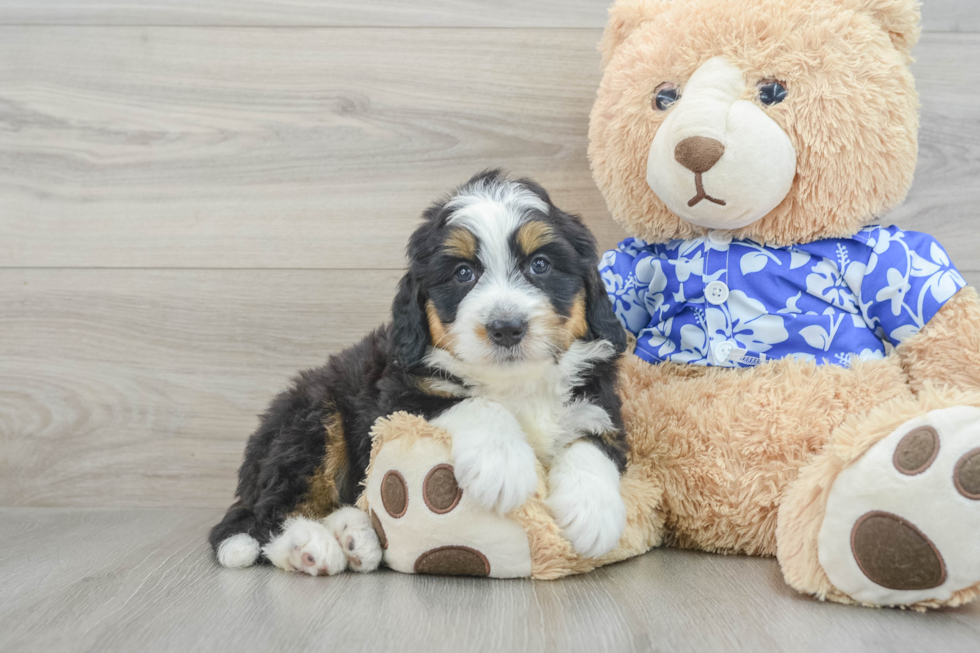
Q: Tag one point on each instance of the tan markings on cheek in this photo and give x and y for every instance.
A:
(548, 325)
(440, 337)
(462, 244)
(481, 334)
(576, 325)
(534, 235)
(428, 386)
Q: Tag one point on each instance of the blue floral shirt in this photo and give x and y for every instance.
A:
(736, 303)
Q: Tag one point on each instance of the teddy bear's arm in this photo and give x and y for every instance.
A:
(947, 350)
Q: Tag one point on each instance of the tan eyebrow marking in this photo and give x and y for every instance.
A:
(534, 235)
(461, 243)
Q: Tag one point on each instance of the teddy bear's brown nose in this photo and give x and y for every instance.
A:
(698, 153)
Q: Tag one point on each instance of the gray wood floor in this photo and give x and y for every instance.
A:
(105, 581)
(200, 197)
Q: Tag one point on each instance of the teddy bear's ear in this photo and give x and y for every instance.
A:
(624, 17)
(900, 18)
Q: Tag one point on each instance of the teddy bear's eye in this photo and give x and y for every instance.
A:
(665, 95)
(771, 92)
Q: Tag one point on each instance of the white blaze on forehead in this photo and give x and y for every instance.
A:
(492, 212)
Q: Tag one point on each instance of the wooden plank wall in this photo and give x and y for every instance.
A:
(198, 198)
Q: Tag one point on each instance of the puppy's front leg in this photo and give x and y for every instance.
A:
(491, 456)
(584, 498)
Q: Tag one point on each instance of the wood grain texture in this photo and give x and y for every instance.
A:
(310, 13)
(254, 148)
(271, 148)
(140, 387)
(112, 581)
(938, 15)
(950, 16)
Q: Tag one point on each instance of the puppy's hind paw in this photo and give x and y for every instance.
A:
(306, 546)
(357, 538)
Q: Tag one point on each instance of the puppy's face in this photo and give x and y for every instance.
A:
(504, 277)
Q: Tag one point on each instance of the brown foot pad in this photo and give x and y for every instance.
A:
(394, 494)
(453, 561)
(917, 451)
(895, 554)
(440, 491)
(966, 475)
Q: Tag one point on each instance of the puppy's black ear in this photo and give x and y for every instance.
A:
(409, 326)
(602, 321)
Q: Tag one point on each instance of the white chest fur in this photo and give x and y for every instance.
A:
(539, 395)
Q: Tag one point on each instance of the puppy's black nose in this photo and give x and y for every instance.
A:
(507, 333)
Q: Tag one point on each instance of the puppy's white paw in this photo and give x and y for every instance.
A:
(359, 542)
(585, 501)
(492, 460)
(499, 474)
(306, 546)
(241, 550)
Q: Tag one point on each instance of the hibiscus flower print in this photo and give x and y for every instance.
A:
(753, 327)
(627, 303)
(836, 300)
(894, 293)
(827, 280)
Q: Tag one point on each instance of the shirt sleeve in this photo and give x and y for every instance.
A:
(907, 279)
(638, 282)
(616, 270)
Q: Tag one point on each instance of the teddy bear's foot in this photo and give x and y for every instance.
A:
(428, 524)
(902, 521)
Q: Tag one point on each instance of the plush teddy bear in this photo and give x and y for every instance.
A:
(805, 381)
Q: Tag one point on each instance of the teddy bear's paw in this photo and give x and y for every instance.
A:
(358, 540)
(306, 546)
(499, 474)
(428, 524)
(585, 501)
(902, 521)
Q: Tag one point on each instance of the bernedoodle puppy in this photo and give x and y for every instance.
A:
(502, 334)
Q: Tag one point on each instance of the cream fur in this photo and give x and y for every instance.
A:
(754, 174)
(850, 165)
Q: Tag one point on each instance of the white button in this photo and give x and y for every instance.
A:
(716, 292)
(719, 237)
(723, 350)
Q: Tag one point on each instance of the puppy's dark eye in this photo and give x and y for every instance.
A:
(464, 274)
(540, 265)
(665, 95)
(771, 92)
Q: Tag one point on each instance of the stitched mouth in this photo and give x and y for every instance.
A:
(701, 195)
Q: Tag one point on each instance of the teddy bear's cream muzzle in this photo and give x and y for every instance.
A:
(719, 161)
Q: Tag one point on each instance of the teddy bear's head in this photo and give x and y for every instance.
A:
(784, 121)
